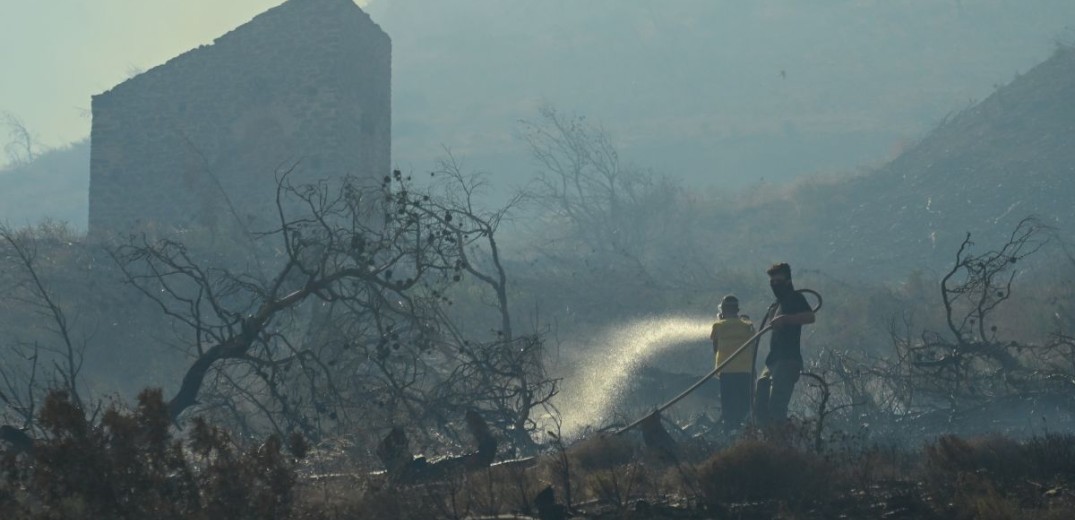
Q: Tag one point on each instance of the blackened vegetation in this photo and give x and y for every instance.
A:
(22, 382)
(351, 330)
(338, 330)
(342, 330)
(938, 380)
(130, 464)
(401, 466)
(972, 363)
(352, 337)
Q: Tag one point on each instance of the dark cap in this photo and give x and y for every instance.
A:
(730, 302)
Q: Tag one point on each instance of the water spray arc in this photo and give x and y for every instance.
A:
(603, 374)
(757, 336)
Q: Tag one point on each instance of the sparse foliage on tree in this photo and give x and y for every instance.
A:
(932, 376)
(32, 366)
(617, 214)
(351, 331)
(21, 147)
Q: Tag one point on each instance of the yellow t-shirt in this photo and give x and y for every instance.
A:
(730, 334)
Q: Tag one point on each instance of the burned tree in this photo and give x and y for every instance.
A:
(973, 364)
(941, 377)
(31, 366)
(508, 373)
(601, 206)
(348, 334)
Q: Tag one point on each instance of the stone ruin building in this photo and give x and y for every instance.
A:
(200, 140)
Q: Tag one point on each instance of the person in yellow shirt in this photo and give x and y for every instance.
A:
(729, 333)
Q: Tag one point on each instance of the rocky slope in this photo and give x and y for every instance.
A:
(980, 171)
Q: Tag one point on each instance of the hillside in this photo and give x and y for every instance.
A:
(54, 186)
(980, 171)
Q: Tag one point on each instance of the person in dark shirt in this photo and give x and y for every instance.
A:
(785, 360)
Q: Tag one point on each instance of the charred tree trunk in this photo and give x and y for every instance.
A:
(402, 466)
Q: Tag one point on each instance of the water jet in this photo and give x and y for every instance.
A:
(601, 374)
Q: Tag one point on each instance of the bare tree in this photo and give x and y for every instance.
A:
(618, 213)
(475, 231)
(350, 332)
(970, 366)
(31, 367)
(508, 373)
(984, 281)
(21, 144)
(972, 290)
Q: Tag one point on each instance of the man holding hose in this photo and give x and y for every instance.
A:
(785, 360)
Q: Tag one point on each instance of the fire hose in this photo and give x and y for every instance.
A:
(742, 348)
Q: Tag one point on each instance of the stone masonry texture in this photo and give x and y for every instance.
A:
(200, 140)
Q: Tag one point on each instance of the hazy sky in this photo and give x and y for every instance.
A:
(729, 88)
(57, 53)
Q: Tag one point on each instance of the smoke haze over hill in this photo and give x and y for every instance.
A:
(713, 92)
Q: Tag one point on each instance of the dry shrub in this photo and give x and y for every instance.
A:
(129, 466)
(567, 467)
(444, 498)
(603, 452)
(401, 504)
(998, 460)
(315, 497)
(497, 490)
(1057, 511)
(1051, 457)
(864, 468)
(754, 470)
(617, 486)
(490, 492)
(990, 506)
(976, 497)
(500, 489)
(998, 478)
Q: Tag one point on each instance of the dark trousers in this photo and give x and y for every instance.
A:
(734, 399)
(773, 393)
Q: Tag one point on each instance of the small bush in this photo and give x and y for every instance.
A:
(603, 452)
(992, 506)
(499, 490)
(997, 477)
(129, 466)
(617, 486)
(1051, 457)
(998, 460)
(865, 467)
(754, 470)
(387, 503)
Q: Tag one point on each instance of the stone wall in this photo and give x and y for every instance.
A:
(200, 140)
